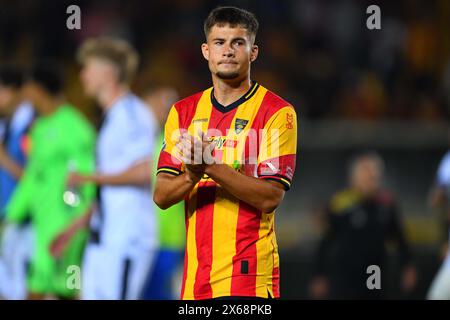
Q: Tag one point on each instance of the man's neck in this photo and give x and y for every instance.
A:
(227, 92)
(14, 105)
(51, 105)
(109, 95)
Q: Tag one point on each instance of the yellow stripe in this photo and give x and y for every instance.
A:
(263, 256)
(204, 108)
(247, 111)
(285, 181)
(167, 170)
(250, 93)
(276, 258)
(224, 241)
(191, 248)
(171, 131)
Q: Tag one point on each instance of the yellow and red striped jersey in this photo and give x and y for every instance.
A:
(231, 248)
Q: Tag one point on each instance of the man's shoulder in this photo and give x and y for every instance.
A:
(185, 108)
(74, 122)
(274, 102)
(190, 101)
(343, 200)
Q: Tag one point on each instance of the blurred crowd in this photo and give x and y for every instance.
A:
(316, 53)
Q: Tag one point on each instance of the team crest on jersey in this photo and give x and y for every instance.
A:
(239, 125)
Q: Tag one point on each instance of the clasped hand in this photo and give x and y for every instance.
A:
(196, 154)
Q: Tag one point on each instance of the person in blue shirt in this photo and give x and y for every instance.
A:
(16, 239)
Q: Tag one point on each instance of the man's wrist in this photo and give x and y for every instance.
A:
(212, 168)
(191, 178)
(93, 178)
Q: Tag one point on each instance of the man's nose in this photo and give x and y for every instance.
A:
(229, 51)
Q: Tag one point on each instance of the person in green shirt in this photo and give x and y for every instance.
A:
(166, 274)
(61, 140)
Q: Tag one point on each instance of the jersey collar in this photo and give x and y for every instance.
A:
(238, 102)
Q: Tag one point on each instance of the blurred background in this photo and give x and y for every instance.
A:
(354, 89)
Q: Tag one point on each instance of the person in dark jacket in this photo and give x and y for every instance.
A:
(360, 222)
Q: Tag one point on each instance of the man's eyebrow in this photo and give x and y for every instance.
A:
(234, 39)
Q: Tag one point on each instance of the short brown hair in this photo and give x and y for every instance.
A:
(233, 17)
(116, 51)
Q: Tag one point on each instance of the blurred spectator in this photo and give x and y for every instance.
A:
(359, 222)
(60, 138)
(17, 239)
(123, 240)
(440, 288)
(164, 282)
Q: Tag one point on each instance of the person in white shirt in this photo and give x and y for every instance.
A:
(440, 287)
(124, 238)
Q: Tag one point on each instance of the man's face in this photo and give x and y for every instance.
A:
(160, 101)
(367, 175)
(95, 73)
(34, 93)
(7, 98)
(229, 51)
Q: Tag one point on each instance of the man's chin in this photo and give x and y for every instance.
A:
(227, 75)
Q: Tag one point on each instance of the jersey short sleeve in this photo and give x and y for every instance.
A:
(276, 158)
(168, 161)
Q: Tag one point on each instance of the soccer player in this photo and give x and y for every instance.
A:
(122, 247)
(60, 138)
(440, 287)
(243, 141)
(17, 239)
(360, 221)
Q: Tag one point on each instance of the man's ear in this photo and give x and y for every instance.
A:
(254, 53)
(205, 51)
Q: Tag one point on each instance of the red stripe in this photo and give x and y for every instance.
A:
(206, 195)
(247, 234)
(276, 282)
(166, 160)
(221, 121)
(186, 109)
(270, 104)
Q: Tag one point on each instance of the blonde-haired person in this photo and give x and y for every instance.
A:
(123, 240)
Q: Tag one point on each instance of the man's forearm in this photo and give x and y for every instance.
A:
(137, 175)
(261, 194)
(83, 221)
(10, 165)
(170, 190)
